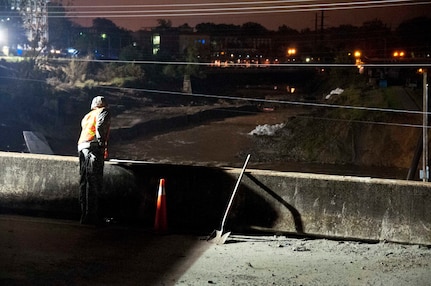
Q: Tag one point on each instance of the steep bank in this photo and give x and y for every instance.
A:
(383, 134)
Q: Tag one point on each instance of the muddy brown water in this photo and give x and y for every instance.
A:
(226, 143)
(220, 142)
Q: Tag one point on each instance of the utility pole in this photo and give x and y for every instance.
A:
(315, 30)
(321, 28)
(422, 143)
(318, 38)
(425, 128)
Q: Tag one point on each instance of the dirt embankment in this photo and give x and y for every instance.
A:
(307, 139)
(368, 136)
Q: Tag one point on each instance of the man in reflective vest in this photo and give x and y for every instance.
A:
(92, 149)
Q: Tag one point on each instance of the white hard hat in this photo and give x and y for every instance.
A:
(98, 101)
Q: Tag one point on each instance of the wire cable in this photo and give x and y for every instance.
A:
(288, 7)
(282, 102)
(424, 63)
(364, 121)
(287, 102)
(235, 10)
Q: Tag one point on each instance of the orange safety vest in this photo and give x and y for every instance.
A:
(88, 123)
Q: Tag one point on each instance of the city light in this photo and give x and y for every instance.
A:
(3, 36)
(4, 42)
(291, 51)
(357, 54)
(358, 61)
(398, 54)
(156, 44)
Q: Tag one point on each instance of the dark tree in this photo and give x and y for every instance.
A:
(109, 38)
(253, 29)
(415, 36)
(60, 27)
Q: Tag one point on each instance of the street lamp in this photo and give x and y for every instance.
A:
(291, 52)
(398, 54)
(358, 62)
(357, 54)
(104, 36)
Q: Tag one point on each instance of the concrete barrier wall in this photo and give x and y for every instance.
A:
(31, 183)
(297, 203)
(346, 207)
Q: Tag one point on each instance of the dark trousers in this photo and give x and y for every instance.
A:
(91, 165)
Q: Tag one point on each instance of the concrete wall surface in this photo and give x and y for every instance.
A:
(346, 207)
(47, 184)
(296, 203)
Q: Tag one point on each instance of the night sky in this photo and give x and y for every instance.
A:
(134, 19)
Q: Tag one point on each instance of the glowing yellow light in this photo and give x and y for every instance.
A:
(291, 51)
(397, 54)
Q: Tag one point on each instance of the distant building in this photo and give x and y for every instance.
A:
(172, 43)
(200, 42)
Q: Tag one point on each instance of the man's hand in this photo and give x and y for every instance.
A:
(101, 144)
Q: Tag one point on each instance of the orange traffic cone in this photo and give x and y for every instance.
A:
(161, 221)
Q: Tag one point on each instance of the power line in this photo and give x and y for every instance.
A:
(237, 98)
(234, 10)
(287, 102)
(282, 102)
(364, 121)
(233, 65)
(191, 4)
(253, 10)
(262, 4)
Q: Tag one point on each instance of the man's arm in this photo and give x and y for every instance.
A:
(102, 127)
